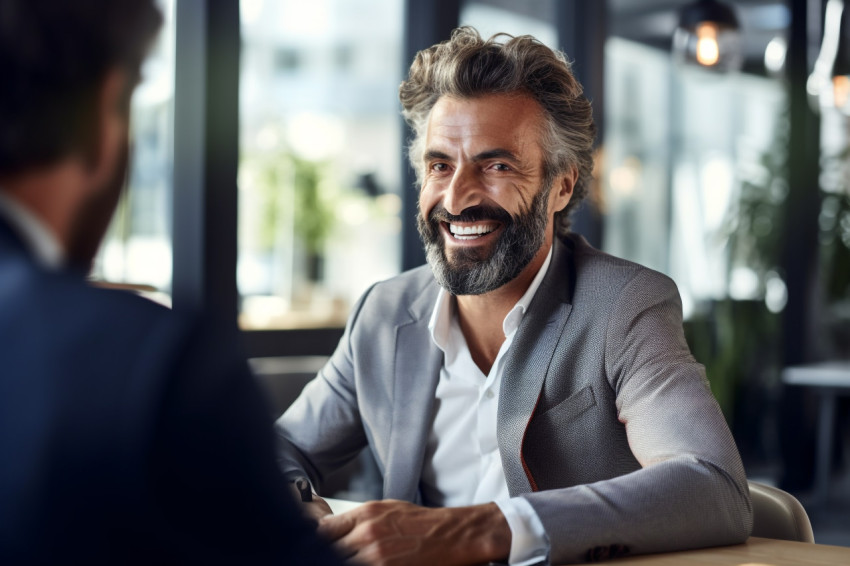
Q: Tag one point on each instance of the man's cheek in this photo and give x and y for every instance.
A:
(426, 201)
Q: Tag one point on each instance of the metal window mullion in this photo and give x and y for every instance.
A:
(206, 150)
(582, 30)
(426, 22)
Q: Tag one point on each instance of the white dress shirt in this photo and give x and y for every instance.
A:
(37, 237)
(462, 461)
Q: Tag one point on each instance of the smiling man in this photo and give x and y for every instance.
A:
(527, 397)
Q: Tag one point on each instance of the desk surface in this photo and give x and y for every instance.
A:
(755, 552)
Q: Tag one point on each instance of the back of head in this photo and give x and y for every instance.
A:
(468, 66)
(53, 53)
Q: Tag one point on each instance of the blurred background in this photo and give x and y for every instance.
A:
(269, 184)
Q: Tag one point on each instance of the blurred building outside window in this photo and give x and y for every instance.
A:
(319, 170)
(137, 246)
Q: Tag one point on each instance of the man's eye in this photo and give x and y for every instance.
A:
(501, 167)
(439, 167)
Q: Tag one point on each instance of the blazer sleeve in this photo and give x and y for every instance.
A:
(691, 490)
(322, 430)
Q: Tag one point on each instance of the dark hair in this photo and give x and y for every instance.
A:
(467, 66)
(53, 55)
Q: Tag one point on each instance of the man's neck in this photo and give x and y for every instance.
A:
(481, 317)
(52, 195)
(32, 233)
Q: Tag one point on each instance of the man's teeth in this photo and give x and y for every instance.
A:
(470, 232)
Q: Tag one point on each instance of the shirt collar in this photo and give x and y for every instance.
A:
(444, 310)
(35, 235)
(514, 317)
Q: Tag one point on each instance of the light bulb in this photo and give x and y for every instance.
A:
(708, 36)
(708, 52)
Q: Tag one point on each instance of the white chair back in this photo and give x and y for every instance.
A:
(777, 514)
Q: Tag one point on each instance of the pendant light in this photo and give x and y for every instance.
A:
(708, 36)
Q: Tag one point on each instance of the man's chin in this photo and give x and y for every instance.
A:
(466, 257)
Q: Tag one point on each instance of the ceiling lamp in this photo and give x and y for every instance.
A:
(829, 84)
(708, 36)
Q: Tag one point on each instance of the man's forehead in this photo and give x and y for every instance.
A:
(503, 119)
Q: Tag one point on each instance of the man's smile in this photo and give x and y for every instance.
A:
(467, 231)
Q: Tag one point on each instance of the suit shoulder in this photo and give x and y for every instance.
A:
(404, 289)
(106, 306)
(84, 315)
(597, 271)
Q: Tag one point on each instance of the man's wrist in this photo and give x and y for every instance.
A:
(483, 530)
(529, 542)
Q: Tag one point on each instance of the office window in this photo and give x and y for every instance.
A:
(319, 171)
(137, 247)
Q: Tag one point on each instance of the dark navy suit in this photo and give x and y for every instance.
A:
(130, 434)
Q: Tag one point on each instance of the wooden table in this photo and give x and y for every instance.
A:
(755, 552)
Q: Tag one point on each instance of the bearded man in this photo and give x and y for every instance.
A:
(527, 397)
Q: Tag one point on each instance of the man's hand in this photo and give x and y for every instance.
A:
(316, 509)
(388, 533)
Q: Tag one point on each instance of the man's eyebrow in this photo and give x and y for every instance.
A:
(435, 154)
(483, 156)
(496, 154)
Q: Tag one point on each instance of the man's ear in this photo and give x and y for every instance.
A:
(111, 126)
(563, 189)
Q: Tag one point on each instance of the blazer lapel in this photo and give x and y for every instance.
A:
(417, 370)
(527, 364)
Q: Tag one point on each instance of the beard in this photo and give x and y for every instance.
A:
(475, 271)
(94, 216)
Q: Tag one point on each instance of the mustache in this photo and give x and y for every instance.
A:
(472, 214)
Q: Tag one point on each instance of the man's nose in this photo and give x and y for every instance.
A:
(464, 190)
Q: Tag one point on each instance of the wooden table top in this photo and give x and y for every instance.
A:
(755, 552)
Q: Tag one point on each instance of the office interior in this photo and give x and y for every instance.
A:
(270, 185)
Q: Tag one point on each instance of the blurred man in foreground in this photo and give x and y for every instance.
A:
(128, 434)
(526, 396)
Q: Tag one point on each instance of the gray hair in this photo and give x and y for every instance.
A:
(467, 66)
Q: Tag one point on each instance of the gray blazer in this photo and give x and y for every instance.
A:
(606, 424)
